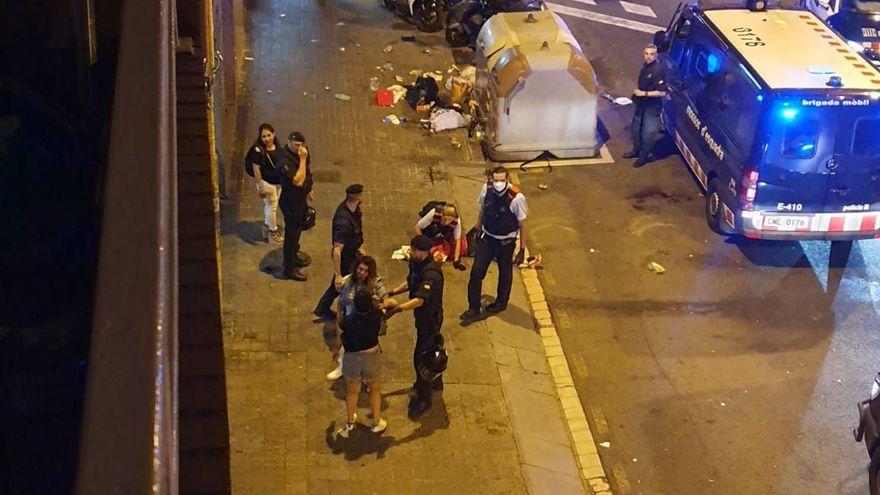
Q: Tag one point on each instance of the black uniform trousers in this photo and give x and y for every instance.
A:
(644, 129)
(294, 215)
(331, 293)
(487, 250)
(427, 326)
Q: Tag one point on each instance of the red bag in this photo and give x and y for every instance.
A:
(384, 98)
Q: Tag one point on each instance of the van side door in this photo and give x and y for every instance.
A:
(673, 59)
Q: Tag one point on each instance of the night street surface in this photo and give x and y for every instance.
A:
(739, 369)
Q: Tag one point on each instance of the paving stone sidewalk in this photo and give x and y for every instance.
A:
(498, 427)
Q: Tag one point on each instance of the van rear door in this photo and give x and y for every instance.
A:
(854, 169)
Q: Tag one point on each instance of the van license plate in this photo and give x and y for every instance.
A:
(787, 223)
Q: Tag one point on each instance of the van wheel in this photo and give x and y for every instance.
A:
(428, 15)
(714, 215)
(874, 473)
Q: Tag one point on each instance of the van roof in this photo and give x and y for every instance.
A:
(793, 49)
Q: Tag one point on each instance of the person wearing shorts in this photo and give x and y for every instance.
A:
(362, 360)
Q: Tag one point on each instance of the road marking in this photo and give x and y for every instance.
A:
(638, 9)
(605, 19)
(586, 2)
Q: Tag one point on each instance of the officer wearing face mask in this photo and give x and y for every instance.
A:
(502, 218)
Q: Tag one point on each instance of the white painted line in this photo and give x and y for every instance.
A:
(605, 19)
(586, 2)
(638, 9)
(603, 158)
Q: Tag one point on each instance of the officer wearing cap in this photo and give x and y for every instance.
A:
(348, 240)
(294, 163)
(425, 286)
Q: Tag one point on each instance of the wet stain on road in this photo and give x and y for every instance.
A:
(650, 199)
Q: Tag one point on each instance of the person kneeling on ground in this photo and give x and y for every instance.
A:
(443, 226)
(362, 360)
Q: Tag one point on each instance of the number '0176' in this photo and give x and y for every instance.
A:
(750, 38)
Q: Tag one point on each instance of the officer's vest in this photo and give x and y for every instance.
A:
(498, 220)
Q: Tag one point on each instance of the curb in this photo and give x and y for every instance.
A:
(589, 463)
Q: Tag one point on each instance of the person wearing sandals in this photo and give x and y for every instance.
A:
(260, 164)
(364, 276)
(362, 360)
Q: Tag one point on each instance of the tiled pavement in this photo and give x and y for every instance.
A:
(498, 427)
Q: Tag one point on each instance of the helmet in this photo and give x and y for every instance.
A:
(433, 359)
(309, 220)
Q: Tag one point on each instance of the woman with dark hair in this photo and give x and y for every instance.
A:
(362, 360)
(364, 277)
(260, 164)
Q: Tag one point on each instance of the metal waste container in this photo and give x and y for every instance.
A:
(535, 89)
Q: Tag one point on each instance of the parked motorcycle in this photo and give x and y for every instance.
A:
(869, 430)
(427, 15)
(464, 19)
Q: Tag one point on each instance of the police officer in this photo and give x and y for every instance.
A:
(294, 164)
(425, 286)
(647, 97)
(348, 237)
(502, 217)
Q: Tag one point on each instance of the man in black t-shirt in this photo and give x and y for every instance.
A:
(648, 97)
(348, 238)
(294, 164)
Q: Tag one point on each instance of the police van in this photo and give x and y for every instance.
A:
(858, 21)
(778, 118)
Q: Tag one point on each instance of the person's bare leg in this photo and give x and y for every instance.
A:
(375, 399)
(351, 398)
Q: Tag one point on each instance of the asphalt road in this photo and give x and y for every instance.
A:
(738, 370)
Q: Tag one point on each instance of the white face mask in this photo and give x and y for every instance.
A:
(499, 185)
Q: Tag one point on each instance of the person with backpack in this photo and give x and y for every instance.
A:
(441, 223)
(259, 163)
(502, 218)
(362, 360)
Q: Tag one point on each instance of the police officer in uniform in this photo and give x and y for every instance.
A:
(348, 237)
(647, 97)
(502, 217)
(425, 286)
(294, 163)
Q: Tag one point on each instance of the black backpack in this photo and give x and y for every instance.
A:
(430, 205)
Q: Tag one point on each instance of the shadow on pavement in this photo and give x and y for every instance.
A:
(361, 441)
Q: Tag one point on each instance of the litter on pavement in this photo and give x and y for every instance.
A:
(342, 96)
(401, 254)
(656, 267)
(398, 91)
(394, 119)
(444, 119)
(387, 67)
(388, 49)
(340, 23)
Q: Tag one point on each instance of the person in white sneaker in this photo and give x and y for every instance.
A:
(365, 277)
(362, 360)
(259, 163)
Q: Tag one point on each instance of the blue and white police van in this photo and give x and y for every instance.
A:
(778, 118)
(858, 21)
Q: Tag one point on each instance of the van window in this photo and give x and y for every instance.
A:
(866, 139)
(679, 40)
(737, 108)
(799, 138)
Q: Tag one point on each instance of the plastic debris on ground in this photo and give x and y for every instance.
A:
(341, 48)
(374, 83)
(340, 23)
(394, 119)
(282, 16)
(427, 50)
(444, 119)
(249, 58)
(388, 49)
(398, 79)
(399, 92)
(606, 444)
(305, 93)
(269, 91)
(542, 186)
(313, 40)
(342, 96)
(455, 143)
(532, 262)
(326, 88)
(617, 100)
(387, 67)
(656, 267)
(415, 72)
(384, 98)
(401, 254)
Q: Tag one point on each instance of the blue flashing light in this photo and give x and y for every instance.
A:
(713, 63)
(760, 97)
(789, 113)
(808, 148)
